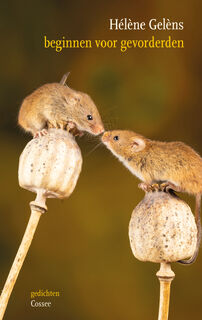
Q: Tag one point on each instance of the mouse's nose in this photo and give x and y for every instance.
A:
(97, 129)
(106, 136)
(100, 129)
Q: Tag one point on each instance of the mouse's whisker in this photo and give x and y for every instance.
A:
(93, 149)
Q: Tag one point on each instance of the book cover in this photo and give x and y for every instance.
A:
(140, 62)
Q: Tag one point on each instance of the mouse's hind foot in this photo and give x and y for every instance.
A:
(165, 187)
(41, 133)
(169, 187)
(57, 124)
(148, 187)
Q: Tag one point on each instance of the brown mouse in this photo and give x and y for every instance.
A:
(58, 106)
(173, 163)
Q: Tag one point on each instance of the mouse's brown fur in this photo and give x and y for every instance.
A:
(56, 105)
(155, 161)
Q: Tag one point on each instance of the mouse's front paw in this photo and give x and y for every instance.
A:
(70, 125)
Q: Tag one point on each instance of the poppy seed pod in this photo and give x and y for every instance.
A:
(162, 229)
(51, 164)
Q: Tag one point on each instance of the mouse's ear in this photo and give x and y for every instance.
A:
(138, 144)
(70, 99)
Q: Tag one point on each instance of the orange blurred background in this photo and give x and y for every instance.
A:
(81, 246)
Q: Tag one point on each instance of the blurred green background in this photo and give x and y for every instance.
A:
(81, 246)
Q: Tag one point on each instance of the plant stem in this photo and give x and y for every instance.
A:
(37, 208)
(165, 276)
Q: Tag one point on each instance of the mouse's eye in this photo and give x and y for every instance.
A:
(89, 117)
(116, 138)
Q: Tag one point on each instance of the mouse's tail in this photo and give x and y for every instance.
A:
(64, 78)
(198, 224)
